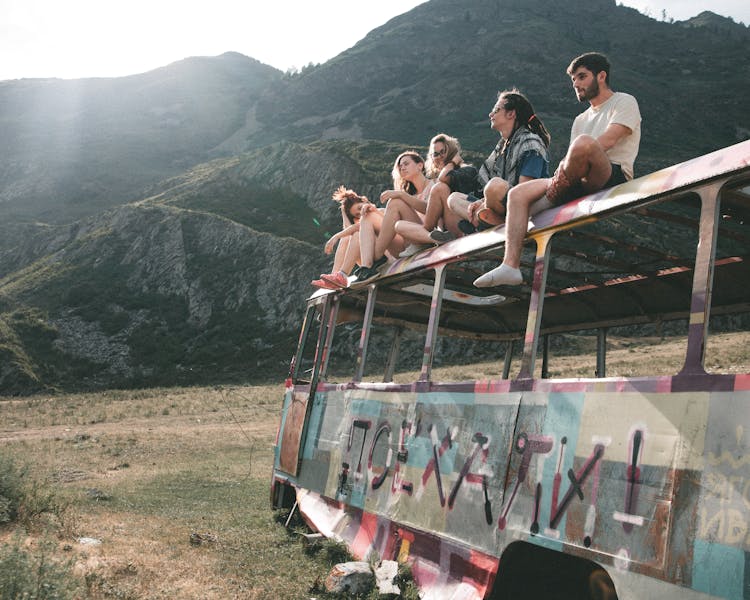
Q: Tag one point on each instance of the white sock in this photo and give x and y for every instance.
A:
(502, 275)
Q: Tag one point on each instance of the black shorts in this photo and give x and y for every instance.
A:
(616, 177)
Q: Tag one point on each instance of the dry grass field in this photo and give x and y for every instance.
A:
(172, 485)
(142, 472)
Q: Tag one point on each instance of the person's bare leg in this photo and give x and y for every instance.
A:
(587, 162)
(459, 205)
(413, 233)
(520, 198)
(436, 204)
(450, 219)
(494, 194)
(341, 249)
(388, 239)
(367, 238)
(352, 255)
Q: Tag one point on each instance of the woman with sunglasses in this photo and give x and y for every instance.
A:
(520, 155)
(407, 201)
(445, 164)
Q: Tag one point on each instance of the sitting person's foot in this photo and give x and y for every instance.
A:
(489, 218)
(412, 249)
(380, 262)
(502, 275)
(560, 189)
(337, 279)
(366, 273)
(441, 237)
(466, 227)
(323, 284)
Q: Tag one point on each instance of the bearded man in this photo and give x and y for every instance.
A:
(604, 142)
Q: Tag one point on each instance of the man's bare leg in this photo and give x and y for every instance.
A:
(520, 199)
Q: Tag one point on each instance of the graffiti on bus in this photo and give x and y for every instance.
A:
(362, 466)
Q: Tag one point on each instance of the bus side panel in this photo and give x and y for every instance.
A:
(721, 552)
(435, 461)
(639, 477)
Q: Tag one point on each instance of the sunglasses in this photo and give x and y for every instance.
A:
(441, 153)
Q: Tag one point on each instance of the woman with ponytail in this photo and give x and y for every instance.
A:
(521, 155)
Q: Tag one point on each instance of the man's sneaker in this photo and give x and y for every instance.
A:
(337, 279)
(441, 237)
(412, 249)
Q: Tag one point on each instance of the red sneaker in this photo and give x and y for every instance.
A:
(321, 283)
(338, 279)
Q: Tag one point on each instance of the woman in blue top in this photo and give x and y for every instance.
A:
(521, 155)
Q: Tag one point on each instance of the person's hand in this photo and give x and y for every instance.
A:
(457, 160)
(474, 209)
(368, 208)
(388, 195)
(330, 244)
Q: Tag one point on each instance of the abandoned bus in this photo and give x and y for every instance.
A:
(548, 476)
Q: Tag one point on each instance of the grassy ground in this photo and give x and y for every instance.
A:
(143, 471)
(146, 472)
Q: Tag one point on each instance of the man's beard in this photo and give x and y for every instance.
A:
(590, 92)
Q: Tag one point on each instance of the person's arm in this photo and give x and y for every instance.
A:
(624, 118)
(613, 134)
(345, 222)
(453, 163)
(414, 201)
(351, 230)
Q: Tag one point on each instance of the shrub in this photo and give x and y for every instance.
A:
(23, 575)
(11, 489)
(23, 499)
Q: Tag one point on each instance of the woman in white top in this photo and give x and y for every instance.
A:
(407, 201)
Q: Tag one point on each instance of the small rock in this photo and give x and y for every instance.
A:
(385, 575)
(96, 494)
(351, 577)
(89, 541)
(196, 539)
(310, 539)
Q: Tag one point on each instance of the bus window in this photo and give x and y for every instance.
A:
(727, 347)
(399, 329)
(342, 361)
(630, 276)
(480, 330)
(387, 350)
(304, 361)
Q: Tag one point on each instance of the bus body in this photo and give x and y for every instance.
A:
(563, 487)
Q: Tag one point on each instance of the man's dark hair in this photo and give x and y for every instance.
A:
(593, 61)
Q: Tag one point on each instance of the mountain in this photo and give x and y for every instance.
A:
(163, 228)
(717, 23)
(73, 147)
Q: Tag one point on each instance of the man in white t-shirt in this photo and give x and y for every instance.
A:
(604, 142)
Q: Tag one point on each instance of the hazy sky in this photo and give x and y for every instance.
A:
(110, 38)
